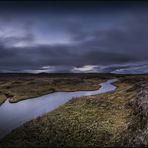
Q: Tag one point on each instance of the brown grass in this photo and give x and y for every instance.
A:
(20, 86)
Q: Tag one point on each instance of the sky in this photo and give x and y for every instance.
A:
(80, 36)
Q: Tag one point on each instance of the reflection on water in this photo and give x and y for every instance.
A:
(13, 115)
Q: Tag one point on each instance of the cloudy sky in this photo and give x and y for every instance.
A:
(74, 37)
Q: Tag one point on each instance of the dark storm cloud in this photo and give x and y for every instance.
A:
(57, 55)
(98, 57)
(71, 36)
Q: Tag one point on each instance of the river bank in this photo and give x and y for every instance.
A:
(19, 87)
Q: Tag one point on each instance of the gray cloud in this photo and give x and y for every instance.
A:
(99, 37)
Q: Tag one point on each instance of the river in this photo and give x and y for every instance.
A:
(12, 115)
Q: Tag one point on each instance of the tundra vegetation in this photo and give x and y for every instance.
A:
(117, 118)
(18, 87)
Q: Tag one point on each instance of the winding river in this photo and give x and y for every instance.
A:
(12, 115)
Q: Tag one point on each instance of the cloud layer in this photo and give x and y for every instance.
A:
(96, 38)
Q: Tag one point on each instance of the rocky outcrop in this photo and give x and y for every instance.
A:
(140, 104)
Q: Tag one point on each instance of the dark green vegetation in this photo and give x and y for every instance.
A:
(116, 118)
(23, 86)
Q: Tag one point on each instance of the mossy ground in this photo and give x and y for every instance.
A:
(100, 120)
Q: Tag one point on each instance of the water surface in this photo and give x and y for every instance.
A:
(12, 115)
